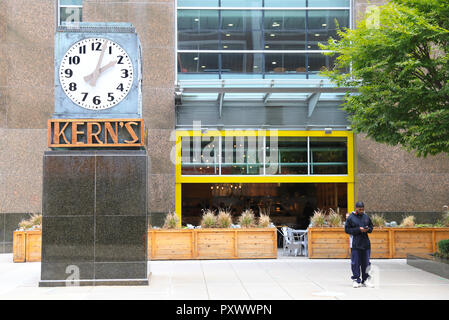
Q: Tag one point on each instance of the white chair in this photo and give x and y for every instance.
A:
(290, 244)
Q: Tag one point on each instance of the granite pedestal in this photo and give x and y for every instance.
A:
(94, 229)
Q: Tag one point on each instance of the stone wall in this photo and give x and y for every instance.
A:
(27, 93)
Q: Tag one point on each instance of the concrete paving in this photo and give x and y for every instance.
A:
(285, 278)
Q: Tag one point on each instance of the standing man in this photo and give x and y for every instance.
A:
(358, 225)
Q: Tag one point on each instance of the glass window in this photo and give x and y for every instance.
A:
(196, 3)
(71, 14)
(198, 29)
(285, 3)
(328, 3)
(285, 63)
(328, 156)
(199, 155)
(241, 30)
(242, 156)
(285, 30)
(242, 63)
(198, 62)
(240, 3)
(323, 25)
(292, 155)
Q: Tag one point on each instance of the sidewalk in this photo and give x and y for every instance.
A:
(286, 278)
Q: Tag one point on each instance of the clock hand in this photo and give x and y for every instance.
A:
(96, 72)
(102, 69)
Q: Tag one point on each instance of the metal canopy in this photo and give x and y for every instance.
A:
(265, 91)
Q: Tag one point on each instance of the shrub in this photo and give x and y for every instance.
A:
(333, 219)
(208, 220)
(264, 221)
(35, 220)
(247, 219)
(443, 247)
(224, 218)
(171, 221)
(408, 222)
(318, 219)
(378, 220)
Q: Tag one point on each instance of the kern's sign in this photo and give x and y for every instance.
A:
(69, 133)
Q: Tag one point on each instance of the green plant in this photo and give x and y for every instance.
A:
(171, 221)
(408, 222)
(208, 220)
(443, 248)
(378, 220)
(224, 218)
(424, 225)
(318, 219)
(35, 220)
(264, 221)
(247, 219)
(333, 219)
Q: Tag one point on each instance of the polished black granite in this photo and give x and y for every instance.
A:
(94, 218)
(429, 263)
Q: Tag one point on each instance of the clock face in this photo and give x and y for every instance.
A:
(96, 73)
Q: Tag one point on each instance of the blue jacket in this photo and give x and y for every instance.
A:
(359, 239)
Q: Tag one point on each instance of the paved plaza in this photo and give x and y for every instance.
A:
(286, 278)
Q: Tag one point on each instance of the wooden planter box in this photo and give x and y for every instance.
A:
(178, 244)
(27, 246)
(333, 243)
(212, 244)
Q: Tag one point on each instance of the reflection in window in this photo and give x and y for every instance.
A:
(198, 62)
(242, 63)
(323, 25)
(241, 156)
(292, 155)
(198, 30)
(199, 156)
(328, 156)
(241, 30)
(285, 63)
(285, 30)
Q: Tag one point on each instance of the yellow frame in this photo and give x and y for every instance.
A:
(349, 179)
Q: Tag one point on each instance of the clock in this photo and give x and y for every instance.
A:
(96, 73)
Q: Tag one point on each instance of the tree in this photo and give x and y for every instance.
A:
(398, 60)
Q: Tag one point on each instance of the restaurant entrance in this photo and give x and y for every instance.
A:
(290, 204)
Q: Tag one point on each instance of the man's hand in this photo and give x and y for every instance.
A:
(363, 229)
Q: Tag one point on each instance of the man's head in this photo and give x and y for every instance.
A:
(359, 207)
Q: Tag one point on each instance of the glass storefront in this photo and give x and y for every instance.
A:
(218, 40)
(287, 203)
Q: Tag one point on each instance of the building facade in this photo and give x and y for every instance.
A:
(226, 80)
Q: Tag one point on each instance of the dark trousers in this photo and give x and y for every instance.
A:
(359, 264)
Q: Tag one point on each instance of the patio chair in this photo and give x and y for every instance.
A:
(290, 243)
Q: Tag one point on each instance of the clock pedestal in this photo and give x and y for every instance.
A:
(95, 218)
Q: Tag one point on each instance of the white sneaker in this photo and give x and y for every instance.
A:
(369, 283)
(355, 284)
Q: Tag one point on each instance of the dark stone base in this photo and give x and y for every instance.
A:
(430, 264)
(97, 282)
(94, 226)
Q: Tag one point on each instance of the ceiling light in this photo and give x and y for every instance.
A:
(196, 19)
(225, 47)
(196, 58)
(272, 35)
(230, 25)
(255, 67)
(228, 34)
(274, 62)
(317, 34)
(203, 67)
(267, 47)
(324, 25)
